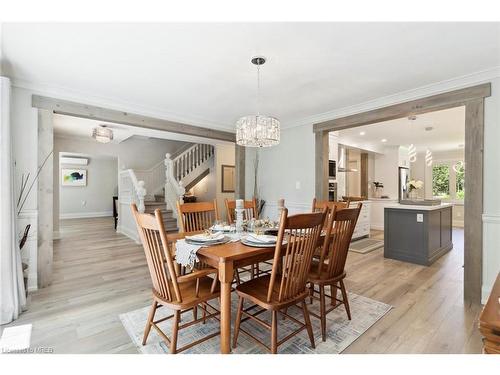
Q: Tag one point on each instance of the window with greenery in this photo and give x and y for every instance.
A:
(441, 181)
(460, 182)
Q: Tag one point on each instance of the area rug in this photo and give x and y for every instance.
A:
(365, 245)
(340, 331)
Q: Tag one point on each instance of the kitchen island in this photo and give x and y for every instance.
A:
(417, 234)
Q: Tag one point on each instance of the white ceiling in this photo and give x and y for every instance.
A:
(200, 72)
(447, 134)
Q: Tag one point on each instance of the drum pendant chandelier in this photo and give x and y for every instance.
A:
(258, 130)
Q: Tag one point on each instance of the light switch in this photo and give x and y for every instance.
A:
(420, 218)
(297, 185)
(84, 203)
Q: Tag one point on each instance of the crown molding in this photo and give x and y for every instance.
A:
(64, 93)
(401, 97)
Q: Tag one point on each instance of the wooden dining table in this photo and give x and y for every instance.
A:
(226, 258)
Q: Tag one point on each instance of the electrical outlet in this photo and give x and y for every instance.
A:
(420, 218)
(84, 203)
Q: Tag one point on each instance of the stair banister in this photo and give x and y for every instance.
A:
(174, 191)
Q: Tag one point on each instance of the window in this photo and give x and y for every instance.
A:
(460, 181)
(448, 180)
(441, 181)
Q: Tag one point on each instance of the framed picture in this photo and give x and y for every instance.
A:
(228, 178)
(73, 177)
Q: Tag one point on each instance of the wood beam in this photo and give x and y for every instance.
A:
(432, 103)
(239, 191)
(473, 203)
(364, 174)
(321, 167)
(45, 198)
(69, 108)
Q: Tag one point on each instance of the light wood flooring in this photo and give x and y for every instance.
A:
(99, 274)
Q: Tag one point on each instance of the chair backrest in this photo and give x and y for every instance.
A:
(250, 210)
(197, 216)
(336, 246)
(319, 206)
(297, 239)
(353, 198)
(159, 258)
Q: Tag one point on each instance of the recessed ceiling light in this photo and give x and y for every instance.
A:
(383, 140)
(362, 133)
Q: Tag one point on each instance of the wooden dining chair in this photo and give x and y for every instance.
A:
(176, 292)
(319, 206)
(286, 285)
(250, 210)
(197, 216)
(329, 269)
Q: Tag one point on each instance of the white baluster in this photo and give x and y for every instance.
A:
(141, 193)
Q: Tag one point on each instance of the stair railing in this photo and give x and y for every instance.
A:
(174, 191)
(190, 159)
(131, 190)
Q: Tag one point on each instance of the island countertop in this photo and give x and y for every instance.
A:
(418, 207)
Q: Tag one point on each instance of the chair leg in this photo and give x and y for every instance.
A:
(204, 313)
(344, 298)
(195, 312)
(175, 331)
(237, 322)
(274, 332)
(151, 316)
(333, 293)
(237, 277)
(307, 320)
(311, 292)
(322, 310)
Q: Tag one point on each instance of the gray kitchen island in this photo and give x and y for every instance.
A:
(417, 234)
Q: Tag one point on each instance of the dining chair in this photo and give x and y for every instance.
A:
(329, 269)
(180, 293)
(286, 285)
(197, 216)
(250, 210)
(318, 206)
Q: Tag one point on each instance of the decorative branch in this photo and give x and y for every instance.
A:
(23, 199)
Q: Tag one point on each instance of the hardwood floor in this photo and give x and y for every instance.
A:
(99, 274)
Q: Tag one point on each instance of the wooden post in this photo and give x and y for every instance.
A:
(321, 167)
(45, 198)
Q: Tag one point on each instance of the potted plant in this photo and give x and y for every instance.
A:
(413, 186)
(379, 186)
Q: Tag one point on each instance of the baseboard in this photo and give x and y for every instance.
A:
(457, 223)
(83, 215)
(133, 235)
(376, 227)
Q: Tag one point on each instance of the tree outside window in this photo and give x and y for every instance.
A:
(460, 182)
(441, 181)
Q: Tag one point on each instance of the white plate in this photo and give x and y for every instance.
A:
(257, 244)
(203, 237)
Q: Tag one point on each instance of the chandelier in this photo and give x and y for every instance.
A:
(102, 134)
(258, 130)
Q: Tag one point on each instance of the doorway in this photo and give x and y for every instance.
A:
(472, 99)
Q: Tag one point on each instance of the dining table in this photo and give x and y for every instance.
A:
(226, 258)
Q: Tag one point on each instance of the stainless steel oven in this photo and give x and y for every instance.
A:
(332, 191)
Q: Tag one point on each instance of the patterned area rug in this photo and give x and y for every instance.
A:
(340, 331)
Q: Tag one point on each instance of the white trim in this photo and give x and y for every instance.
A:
(129, 233)
(457, 223)
(120, 105)
(28, 214)
(401, 97)
(82, 215)
(491, 218)
(376, 227)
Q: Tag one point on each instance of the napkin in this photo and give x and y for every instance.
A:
(185, 253)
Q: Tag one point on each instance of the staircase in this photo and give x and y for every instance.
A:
(161, 186)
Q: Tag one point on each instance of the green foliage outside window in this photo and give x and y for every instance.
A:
(441, 181)
(460, 183)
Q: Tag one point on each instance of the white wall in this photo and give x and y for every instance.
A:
(206, 188)
(95, 199)
(386, 170)
(285, 171)
(224, 155)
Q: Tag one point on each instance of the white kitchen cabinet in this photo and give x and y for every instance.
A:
(362, 228)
